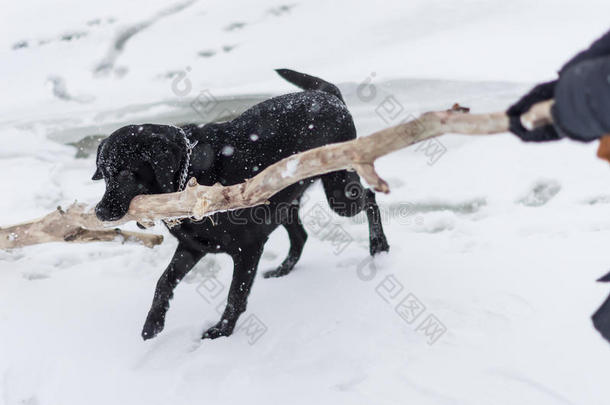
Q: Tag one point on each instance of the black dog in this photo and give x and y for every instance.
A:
(150, 159)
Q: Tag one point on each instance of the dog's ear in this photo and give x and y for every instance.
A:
(98, 173)
(164, 155)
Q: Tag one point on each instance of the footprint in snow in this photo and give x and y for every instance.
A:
(281, 10)
(235, 26)
(541, 193)
(207, 53)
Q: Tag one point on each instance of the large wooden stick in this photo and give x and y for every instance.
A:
(76, 224)
(197, 201)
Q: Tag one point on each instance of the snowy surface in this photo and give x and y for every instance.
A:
(500, 241)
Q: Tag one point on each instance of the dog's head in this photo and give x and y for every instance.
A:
(137, 159)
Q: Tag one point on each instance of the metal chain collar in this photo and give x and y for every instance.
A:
(183, 173)
(187, 163)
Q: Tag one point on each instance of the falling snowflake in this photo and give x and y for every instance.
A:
(228, 150)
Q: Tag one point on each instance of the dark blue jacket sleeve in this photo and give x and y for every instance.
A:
(582, 100)
(599, 48)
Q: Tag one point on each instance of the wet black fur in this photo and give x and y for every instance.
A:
(146, 159)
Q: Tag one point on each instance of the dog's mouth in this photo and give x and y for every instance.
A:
(105, 213)
(114, 205)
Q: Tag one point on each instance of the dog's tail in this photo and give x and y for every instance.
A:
(307, 82)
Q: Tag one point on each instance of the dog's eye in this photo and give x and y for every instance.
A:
(124, 174)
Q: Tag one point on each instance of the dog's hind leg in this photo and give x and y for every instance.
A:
(377, 240)
(298, 237)
(347, 197)
(183, 261)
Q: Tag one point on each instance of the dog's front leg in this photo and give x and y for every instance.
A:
(244, 271)
(183, 261)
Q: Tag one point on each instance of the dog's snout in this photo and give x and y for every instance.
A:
(102, 212)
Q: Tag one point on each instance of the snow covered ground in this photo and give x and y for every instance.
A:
(495, 243)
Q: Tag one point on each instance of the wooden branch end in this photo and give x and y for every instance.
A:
(368, 173)
(539, 115)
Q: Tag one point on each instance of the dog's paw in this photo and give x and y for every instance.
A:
(222, 328)
(279, 272)
(152, 327)
(378, 245)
